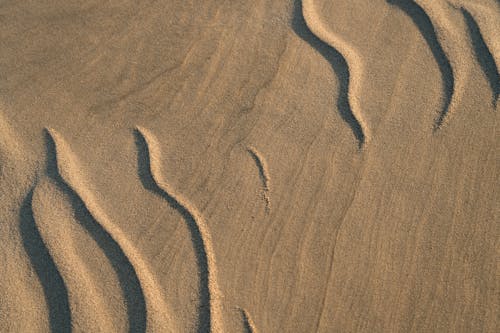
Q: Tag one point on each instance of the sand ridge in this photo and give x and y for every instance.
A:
(67, 165)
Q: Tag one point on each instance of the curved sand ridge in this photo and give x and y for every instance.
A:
(488, 22)
(485, 25)
(354, 62)
(261, 164)
(158, 318)
(87, 306)
(200, 234)
(457, 51)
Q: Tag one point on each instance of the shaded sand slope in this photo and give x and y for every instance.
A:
(262, 166)
(21, 289)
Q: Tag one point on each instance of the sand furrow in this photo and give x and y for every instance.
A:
(67, 167)
(456, 49)
(353, 62)
(426, 28)
(150, 171)
(483, 54)
(263, 174)
(54, 288)
(487, 18)
(87, 303)
(132, 292)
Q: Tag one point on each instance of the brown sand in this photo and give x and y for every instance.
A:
(249, 166)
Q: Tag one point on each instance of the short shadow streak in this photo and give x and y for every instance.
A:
(338, 64)
(147, 180)
(54, 288)
(129, 282)
(246, 322)
(484, 56)
(424, 24)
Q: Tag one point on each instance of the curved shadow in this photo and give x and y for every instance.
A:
(483, 55)
(54, 288)
(147, 180)
(129, 282)
(247, 324)
(424, 24)
(338, 64)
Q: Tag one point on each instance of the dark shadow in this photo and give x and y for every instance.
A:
(260, 167)
(147, 180)
(129, 282)
(246, 322)
(483, 55)
(338, 64)
(424, 24)
(54, 289)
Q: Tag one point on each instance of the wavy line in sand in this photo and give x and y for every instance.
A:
(54, 288)
(488, 21)
(248, 323)
(158, 317)
(457, 51)
(263, 174)
(352, 58)
(423, 22)
(150, 169)
(484, 55)
(132, 292)
(87, 304)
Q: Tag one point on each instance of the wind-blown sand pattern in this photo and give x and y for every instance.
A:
(456, 49)
(157, 309)
(486, 13)
(354, 61)
(300, 166)
(485, 42)
(83, 296)
(210, 294)
(55, 290)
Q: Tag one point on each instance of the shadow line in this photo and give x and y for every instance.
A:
(338, 64)
(247, 324)
(54, 288)
(147, 180)
(424, 24)
(127, 276)
(483, 55)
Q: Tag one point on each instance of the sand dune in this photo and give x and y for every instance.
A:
(249, 166)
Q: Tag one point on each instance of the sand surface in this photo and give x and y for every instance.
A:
(249, 166)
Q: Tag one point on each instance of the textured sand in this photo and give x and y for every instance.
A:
(249, 166)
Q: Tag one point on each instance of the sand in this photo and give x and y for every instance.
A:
(249, 166)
